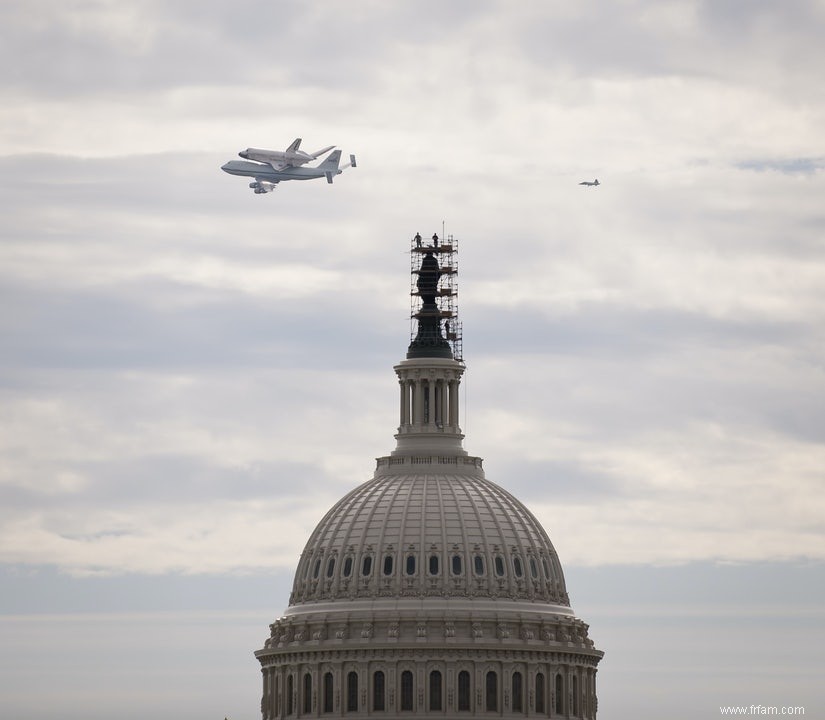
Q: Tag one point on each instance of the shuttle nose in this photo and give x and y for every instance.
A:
(244, 154)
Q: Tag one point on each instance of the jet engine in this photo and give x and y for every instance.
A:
(262, 187)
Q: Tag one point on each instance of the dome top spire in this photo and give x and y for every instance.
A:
(430, 375)
(434, 290)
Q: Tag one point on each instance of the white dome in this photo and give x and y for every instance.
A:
(439, 530)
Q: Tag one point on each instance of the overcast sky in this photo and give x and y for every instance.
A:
(191, 374)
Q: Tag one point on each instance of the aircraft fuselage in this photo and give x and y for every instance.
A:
(267, 172)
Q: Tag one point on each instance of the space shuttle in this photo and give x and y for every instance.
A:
(279, 160)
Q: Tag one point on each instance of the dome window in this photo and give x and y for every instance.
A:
(491, 692)
(456, 564)
(316, 571)
(290, 707)
(478, 565)
(517, 569)
(366, 565)
(330, 567)
(575, 695)
(435, 691)
(464, 691)
(307, 693)
(328, 696)
(433, 564)
(347, 571)
(378, 691)
(499, 563)
(352, 691)
(539, 692)
(388, 564)
(534, 569)
(546, 568)
(517, 693)
(559, 694)
(410, 565)
(406, 691)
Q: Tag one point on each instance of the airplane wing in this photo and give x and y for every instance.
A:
(278, 166)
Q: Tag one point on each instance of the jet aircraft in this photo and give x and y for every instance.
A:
(595, 183)
(291, 157)
(268, 174)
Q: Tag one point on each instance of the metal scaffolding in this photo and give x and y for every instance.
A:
(445, 250)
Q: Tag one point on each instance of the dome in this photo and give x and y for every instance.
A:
(443, 531)
(428, 589)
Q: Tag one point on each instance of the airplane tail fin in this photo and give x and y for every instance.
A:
(295, 145)
(330, 166)
(318, 153)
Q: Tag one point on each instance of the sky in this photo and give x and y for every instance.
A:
(191, 374)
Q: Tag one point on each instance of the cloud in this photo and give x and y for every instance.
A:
(641, 356)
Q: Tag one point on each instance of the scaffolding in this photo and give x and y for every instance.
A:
(445, 251)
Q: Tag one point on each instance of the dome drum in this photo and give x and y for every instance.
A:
(455, 683)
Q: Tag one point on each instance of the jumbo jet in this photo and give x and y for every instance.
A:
(291, 157)
(595, 183)
(268, 174)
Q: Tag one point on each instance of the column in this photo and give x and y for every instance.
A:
(403, 404)
(454, 404)
(445, 402)
(418, 402)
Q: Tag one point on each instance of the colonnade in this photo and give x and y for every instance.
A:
(429, 402)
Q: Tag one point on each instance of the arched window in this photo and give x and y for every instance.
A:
(518, 692)
(387, 565)
(352, 691)
(328, 692)
(435, 690)
(534, 569)
(464, 691)
(540, 693)
(433, 565)
(410, 564)
(406, 690)
(307, 699)
(347, 571)
(559, 694)
(491, 692)
(478, 565)
(456, 564)
(290, 699)
(366, 565)
(499, 563)
(517, 569)
(575, 696)
(316, 571)
(330, 567)
(378, 692)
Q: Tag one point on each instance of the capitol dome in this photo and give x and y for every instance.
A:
(429, 590)
(438, 529)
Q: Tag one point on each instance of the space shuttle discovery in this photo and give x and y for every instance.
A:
(291, 157)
